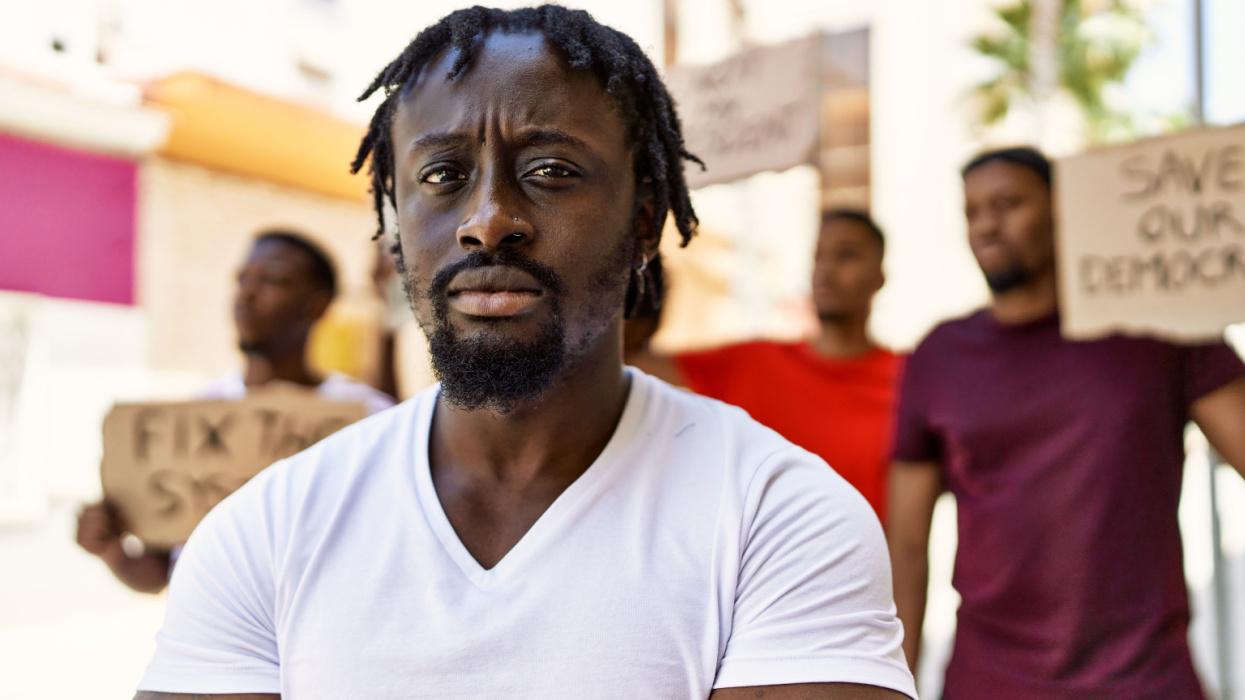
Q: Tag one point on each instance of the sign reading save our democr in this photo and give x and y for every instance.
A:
(755, 111)
(1152, 237)
(166, 464)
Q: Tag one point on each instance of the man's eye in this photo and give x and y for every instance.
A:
(441, 176)
(551, 171)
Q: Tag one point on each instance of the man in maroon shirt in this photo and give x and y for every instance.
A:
(1065, 459)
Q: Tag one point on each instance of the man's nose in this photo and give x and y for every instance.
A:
(495, 219)
(246, 291)
(984, 227)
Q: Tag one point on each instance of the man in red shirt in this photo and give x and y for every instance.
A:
(834, 394)
(1065, 458)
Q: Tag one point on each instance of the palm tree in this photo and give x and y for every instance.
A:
(1079, 48)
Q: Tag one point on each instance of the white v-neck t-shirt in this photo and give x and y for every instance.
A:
(700, 550)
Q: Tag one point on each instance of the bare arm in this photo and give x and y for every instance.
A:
(99, 532)
(148, 695)
(808, 691)
(914, 489)
(1221, 415)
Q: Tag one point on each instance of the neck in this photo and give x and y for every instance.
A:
(286, 367)
(843, 337)
(555, 436)
(1029, 302)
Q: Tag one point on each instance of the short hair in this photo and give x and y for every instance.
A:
(323, 274)
(626, 73)
(1026, 157)
(858, 216)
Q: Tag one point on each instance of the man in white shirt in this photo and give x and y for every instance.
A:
(284, 287)
(545, 523)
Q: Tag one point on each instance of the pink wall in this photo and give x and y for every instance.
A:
(67, 222)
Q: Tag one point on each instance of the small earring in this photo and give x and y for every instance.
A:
(640, 278)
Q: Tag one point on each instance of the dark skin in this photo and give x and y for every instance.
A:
(1010, 224)
(847, 274)
(1010, 216)
(519, 152)
(490, 172)
(276, 304)
(383, 271)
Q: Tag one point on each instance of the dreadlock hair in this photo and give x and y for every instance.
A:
(626, 73)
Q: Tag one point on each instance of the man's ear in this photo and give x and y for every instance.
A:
(647, 231)
(317, 305)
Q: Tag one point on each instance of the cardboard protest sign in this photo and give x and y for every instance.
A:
(1151, 237)
(757, 110)
(166, 464)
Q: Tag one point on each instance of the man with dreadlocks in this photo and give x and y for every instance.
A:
(545, 523)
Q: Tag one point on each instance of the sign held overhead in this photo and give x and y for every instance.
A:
(1151, 237)
(755, 111)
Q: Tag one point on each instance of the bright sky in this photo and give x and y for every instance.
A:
(1163, 81)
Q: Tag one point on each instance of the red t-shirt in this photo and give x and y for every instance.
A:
(840, 410)
(1065, 459)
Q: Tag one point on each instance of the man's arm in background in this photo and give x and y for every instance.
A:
(914, 489)
(100, 533)
(1221, 416)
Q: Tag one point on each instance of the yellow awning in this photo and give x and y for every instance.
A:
(228, 128)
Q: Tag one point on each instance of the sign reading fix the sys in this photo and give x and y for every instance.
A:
(166, 464)
(1152, 237)
(755, 111)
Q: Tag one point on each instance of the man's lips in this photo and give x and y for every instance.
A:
(495, 291)
(493, 304)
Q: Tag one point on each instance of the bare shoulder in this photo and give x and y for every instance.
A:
(809, 691)
(149, 695)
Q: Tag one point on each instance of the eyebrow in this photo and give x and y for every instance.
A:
(527, 139)
(546, 137)
(438, 140)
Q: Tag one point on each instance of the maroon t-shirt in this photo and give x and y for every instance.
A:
(1065, 459)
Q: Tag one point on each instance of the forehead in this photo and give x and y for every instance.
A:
(278, 252)
(514, 81)
(843, 230)
(844, 226)
(1000, 174)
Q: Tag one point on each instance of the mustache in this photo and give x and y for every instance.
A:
(543, 274)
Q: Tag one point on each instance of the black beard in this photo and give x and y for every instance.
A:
(1007, 280)
(497, 375)
(832, 316)
(484, 372)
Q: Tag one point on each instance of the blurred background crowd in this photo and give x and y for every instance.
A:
(145, 144)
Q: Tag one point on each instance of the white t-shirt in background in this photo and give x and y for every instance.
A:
(335, 387)
(700, 550)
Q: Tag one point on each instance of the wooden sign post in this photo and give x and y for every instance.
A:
(166, 464)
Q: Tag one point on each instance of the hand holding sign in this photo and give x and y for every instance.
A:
(166, 464)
